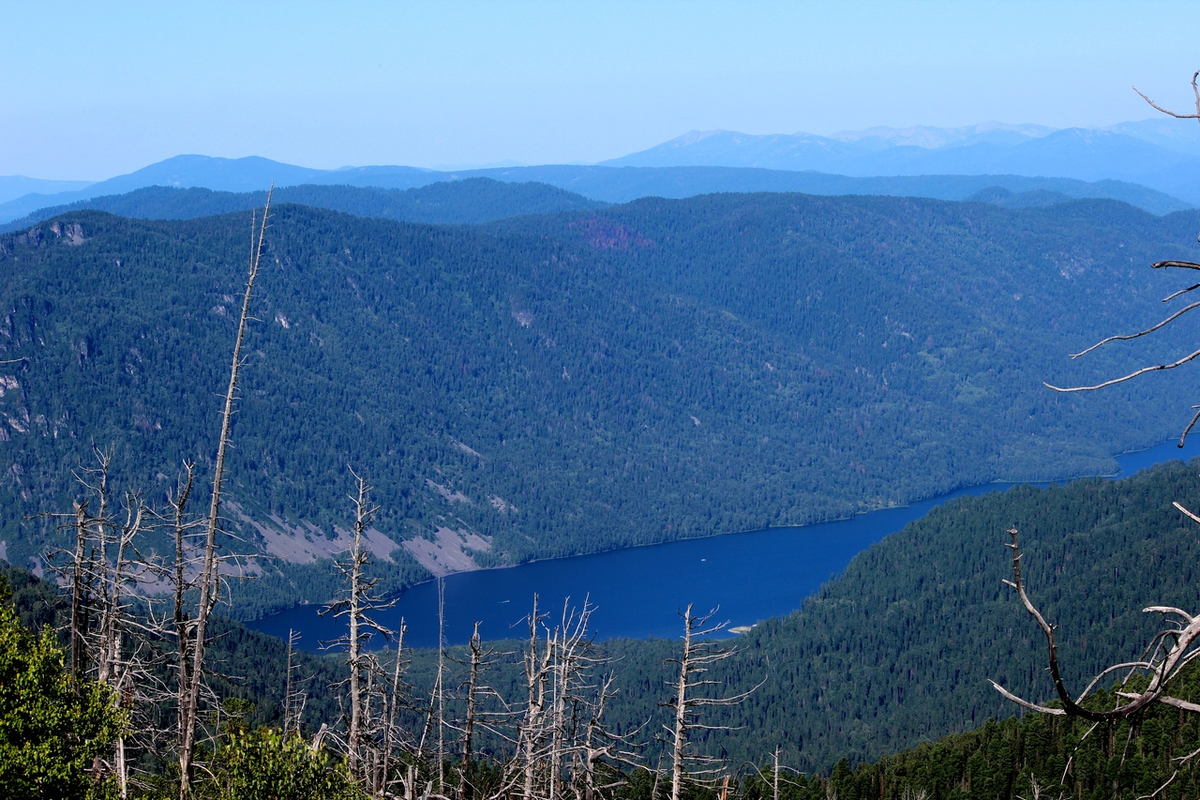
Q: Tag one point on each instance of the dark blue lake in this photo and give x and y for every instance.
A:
(639, 591)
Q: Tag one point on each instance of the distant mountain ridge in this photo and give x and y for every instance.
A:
(597, 183)
(14, 186)
(929, 137)
(1077, 153)
(1158, 160)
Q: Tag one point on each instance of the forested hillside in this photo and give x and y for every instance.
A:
(580, 381)
(900, 647)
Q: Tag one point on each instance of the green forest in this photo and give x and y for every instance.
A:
(564, 383)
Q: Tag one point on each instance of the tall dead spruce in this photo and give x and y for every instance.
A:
(357, 608)
(561, 741)
(700, 655)
(197, 631)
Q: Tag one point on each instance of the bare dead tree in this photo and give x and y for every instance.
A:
(102, 569)
(189, 709)
(1176, 115)
(295, 696)
(435, 712)
(114, 668)
(391, 732)
(599, 747)
(79, 590)
(560, 739)
(480, 660)
(177, 572)
(358, 607)
(531, 729)
(1170, 650)
(578, 739)
(700, 654)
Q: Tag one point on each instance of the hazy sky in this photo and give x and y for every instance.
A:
(92, 90)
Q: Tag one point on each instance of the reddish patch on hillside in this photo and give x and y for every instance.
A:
(604, 235)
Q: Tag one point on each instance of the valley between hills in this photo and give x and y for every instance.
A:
(605, 376)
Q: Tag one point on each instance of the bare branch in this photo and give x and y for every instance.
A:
(1156, 368)
(1139, 334)
(1169, 113)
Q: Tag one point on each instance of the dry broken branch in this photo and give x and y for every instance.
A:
(1169, 113)
(1170, 651)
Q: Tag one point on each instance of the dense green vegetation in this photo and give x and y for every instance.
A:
(471, 200)
(581, 381)
(50, 727)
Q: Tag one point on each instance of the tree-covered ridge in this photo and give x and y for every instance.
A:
(470, 200)
(581, 381)
(900, 648)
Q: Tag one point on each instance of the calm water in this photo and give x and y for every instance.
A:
(638, 592)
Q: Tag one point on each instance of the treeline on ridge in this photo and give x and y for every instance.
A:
(456, 202)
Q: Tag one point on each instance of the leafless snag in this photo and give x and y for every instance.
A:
(102, 571)
(435, 714)
(560, 740)
(699, 656)
(778, 770)
(294, 696)
(1169, 651)
(391, 732)
(531, 730)
(1174, 647)
(358, 606)
(601, 747)
(479, 662)
(189, 709)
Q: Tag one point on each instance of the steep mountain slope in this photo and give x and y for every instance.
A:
(582, 381)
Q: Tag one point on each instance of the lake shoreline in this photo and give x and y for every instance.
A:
(751, 575)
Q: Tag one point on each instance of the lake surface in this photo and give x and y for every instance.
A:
(639, 591)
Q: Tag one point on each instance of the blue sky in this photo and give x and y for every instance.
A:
(98, 89)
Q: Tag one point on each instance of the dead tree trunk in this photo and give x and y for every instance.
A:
(530, 734)
(78, 590)
(357, 606)
(477, 656)
(698, 657)
(190, 709)
(180, 616)
(354, 656)
(389, 731)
